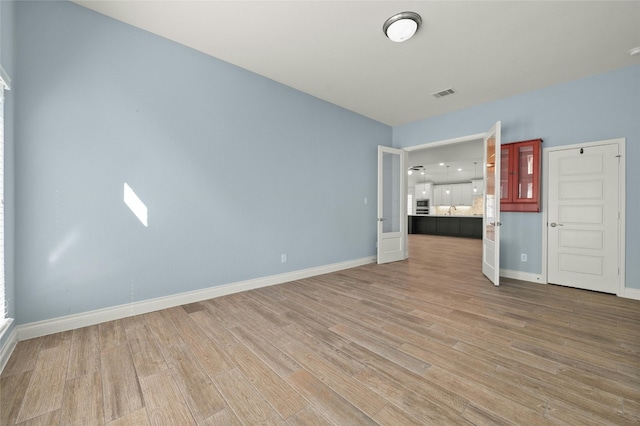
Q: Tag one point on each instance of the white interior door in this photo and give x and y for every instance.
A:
(392, 205)
(491, 217)
(583, 218)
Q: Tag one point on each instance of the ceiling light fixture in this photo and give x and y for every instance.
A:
(635, 51)
(415, 169)
(402, 26)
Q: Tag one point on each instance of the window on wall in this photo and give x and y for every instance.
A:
(4, 321)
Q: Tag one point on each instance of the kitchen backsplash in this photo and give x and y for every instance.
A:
(476, 209)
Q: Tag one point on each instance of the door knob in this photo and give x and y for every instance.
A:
(553, 224)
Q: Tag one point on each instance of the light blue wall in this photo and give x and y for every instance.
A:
(7, 58)
(235, 169)
(596, 108)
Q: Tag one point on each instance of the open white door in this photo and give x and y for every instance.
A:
(392, 204)
(491, 218)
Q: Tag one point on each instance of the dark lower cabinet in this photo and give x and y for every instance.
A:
(470, 227)
(448, 226)
(422, 226)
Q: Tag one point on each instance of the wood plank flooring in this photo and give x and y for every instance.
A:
(424, 341)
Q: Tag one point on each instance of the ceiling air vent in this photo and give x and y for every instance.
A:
(445, 92)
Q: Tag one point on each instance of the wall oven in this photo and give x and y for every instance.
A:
(422, 206)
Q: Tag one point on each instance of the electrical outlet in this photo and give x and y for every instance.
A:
(283, 258)
(523, 257)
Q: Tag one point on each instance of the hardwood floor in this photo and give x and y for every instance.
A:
(424, 341)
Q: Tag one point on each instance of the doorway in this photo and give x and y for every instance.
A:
(458, 153)
(490, 231)
(584, 215)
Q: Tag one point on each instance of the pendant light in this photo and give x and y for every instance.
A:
(475, 163)
(448, 186)
(424, 182)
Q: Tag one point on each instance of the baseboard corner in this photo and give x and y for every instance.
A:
(630, 293)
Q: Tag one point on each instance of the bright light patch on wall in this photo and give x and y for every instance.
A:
(135, 204)
(63, 247)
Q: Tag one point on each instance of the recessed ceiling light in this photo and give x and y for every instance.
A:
(459, 170)
(635, 51)
(402, 26)
(441, 164)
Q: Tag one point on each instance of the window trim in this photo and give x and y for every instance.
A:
(5, 321)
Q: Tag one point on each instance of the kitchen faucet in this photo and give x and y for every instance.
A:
(449, 211)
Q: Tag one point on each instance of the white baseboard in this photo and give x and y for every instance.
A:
(71, 322)
(522, 276)
(630, 293)
(8, 348)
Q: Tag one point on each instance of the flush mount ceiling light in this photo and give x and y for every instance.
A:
(402, 27)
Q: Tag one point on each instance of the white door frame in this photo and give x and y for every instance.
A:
(621, 142)
(445, 142)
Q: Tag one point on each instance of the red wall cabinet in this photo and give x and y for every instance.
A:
(520, 176)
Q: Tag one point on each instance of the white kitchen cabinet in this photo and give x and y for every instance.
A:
(437, 195)
(440, 196)
(456, 194)
(466, 194)
(460, 194)
(479, 185)
(423, 191)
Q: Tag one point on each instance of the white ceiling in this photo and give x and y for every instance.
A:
(460, 155)
(336, 51)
